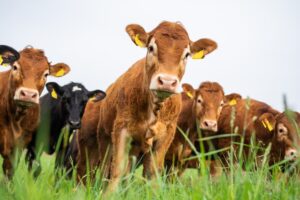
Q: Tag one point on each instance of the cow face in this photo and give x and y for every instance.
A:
(73, 98)
(208, 103)
(28, 75)
(168, 48)
(287, 134)
(285, 127)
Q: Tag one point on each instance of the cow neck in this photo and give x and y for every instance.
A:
(149, 99)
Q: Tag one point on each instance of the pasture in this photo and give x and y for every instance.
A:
(157, 100)
(255, 181)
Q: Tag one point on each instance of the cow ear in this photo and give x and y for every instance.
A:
(59, 69)
(188, 90)
(96, 95)
(137, 34)
(202, 47)
(268, 121)
(8, 55)
(54, 90)
(232, 98)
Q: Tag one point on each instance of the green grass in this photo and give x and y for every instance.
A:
(236, 184)
(255, 180)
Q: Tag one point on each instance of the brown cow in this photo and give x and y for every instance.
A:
(201, 109)
(253, 117)
(20, 89)
(134, 100)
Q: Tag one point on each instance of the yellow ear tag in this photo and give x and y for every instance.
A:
(1, 62)
(263, 123)
(92, 98)
(61, 72)
(54, 94)
(198, 55)
(269, 126)
(232, 102)
(138, 41)
(189, 95)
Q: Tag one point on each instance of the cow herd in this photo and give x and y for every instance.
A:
(143, 108)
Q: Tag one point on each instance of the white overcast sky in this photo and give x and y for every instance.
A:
(258, 53)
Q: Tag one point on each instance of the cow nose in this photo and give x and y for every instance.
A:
(291, 154)
(168, 83)
(27, 95)
(75, 124)
(210, 125)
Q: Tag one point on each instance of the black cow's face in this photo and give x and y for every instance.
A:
(73, 98)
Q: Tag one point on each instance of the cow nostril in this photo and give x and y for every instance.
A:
(22, 93)
(205, 124)
(174, 83)
(34, 95)
(160, 81)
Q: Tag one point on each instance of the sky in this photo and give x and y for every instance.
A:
(258, 41)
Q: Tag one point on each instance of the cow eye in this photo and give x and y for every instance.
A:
(199, 101)
(15, 68)
(46, 75)
(150, 49)
(281, 130)
(187, 55)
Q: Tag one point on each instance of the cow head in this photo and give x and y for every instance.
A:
(286, 133)
(208, 103)
(168, 48)
(73, 98)
(28, 74)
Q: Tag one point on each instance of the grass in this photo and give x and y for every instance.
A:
(255, 180)
(236, 184)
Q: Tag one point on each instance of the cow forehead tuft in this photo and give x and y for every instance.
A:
(76, 88)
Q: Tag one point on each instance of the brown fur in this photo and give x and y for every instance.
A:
(18, 122)
(194, 113)
(130, 107)
(250, 114)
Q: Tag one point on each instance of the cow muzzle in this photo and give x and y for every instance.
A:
(164, 82)
(209, 125)
(291, 154)
(74, 124)
(26, 97)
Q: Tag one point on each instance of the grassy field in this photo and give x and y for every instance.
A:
(194, 184)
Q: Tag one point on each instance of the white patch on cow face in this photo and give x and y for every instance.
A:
(76, 88)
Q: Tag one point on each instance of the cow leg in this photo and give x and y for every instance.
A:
(32, 158)
(87, 158)
(155, 162)
(7, 166)
(118, 154)
(81, 159)
(104, 162)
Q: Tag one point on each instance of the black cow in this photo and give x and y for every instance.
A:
(61, 107)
